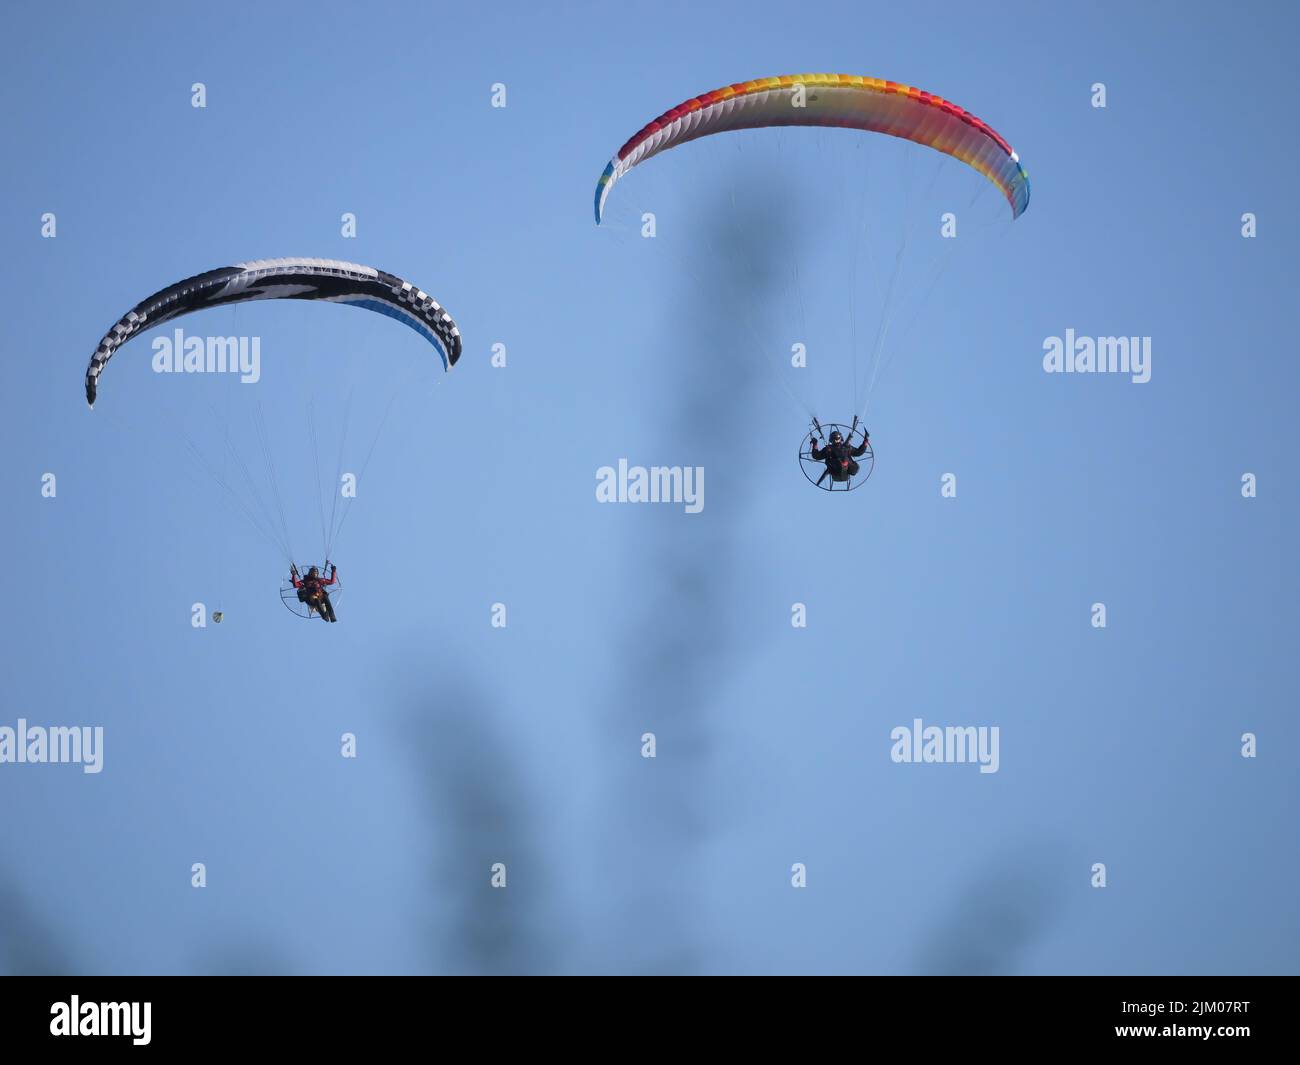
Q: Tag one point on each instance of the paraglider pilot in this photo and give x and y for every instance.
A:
(839, 456)
(311, 590)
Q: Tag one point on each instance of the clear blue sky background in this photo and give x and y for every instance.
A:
(478, 745)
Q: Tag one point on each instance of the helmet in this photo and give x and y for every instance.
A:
(313, 572)
(836, 438)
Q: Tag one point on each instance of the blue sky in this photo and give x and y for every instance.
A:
(522, 745)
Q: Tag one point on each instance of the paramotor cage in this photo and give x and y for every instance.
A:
(289, 595)
(817, 472)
